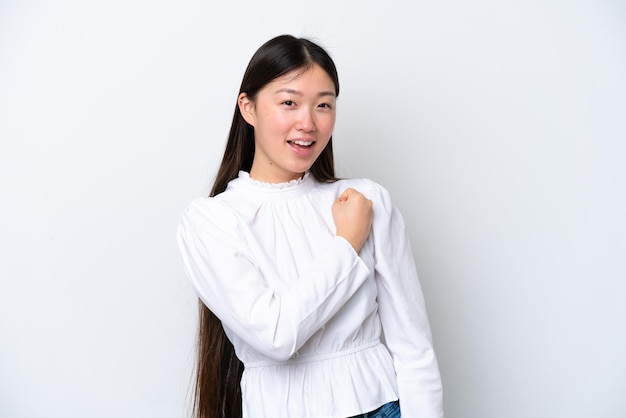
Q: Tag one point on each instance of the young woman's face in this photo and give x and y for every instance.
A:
(293, 118)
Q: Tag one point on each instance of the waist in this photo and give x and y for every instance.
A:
(307, 358)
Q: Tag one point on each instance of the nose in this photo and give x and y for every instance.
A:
(306, 121)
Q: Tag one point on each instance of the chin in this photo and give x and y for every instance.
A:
(301, 168)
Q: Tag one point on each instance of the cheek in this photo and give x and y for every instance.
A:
(277, 122)
(326, 124)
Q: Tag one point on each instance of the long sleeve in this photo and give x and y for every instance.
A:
(223, 271)
(403, 314)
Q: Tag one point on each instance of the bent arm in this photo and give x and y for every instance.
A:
(223, 272)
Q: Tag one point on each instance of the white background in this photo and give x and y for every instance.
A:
(498, 128)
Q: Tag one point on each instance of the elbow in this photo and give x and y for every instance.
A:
(276, 344)
(279, 355)
(279, 350)
(266, 344)
(279, 338)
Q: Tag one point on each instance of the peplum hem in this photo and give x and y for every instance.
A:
(343, 384)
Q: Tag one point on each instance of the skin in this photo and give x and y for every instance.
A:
(293, 118)
(353, 214)
(299, 106)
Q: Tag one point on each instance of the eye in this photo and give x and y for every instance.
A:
(325, 106)
(289, 103)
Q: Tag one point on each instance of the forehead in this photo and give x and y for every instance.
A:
(313, 77)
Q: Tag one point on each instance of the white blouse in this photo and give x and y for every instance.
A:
(306, 313)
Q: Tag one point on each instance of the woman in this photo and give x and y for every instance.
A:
(301, 274)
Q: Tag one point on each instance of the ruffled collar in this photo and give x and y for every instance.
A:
(247, 184)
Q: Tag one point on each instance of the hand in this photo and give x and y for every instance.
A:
(353, 215)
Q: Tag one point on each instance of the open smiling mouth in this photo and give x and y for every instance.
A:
(301, 144)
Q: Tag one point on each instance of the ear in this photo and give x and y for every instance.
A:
(246, 107)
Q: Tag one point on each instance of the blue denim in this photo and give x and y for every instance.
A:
(388, 410)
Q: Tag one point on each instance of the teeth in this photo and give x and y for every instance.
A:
(303, 143)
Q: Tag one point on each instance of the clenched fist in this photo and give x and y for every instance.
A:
(353, 213)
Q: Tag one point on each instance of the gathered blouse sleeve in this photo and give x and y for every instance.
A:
(224, 274)
(403, 313)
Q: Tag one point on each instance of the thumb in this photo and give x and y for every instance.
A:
(344, 196)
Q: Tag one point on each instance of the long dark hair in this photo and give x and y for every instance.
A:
(218, 372)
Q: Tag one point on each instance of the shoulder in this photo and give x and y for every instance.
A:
(208, 213)
(371, 189)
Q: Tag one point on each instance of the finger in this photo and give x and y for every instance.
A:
(344, 196)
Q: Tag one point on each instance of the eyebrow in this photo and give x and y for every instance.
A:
(299, 93)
